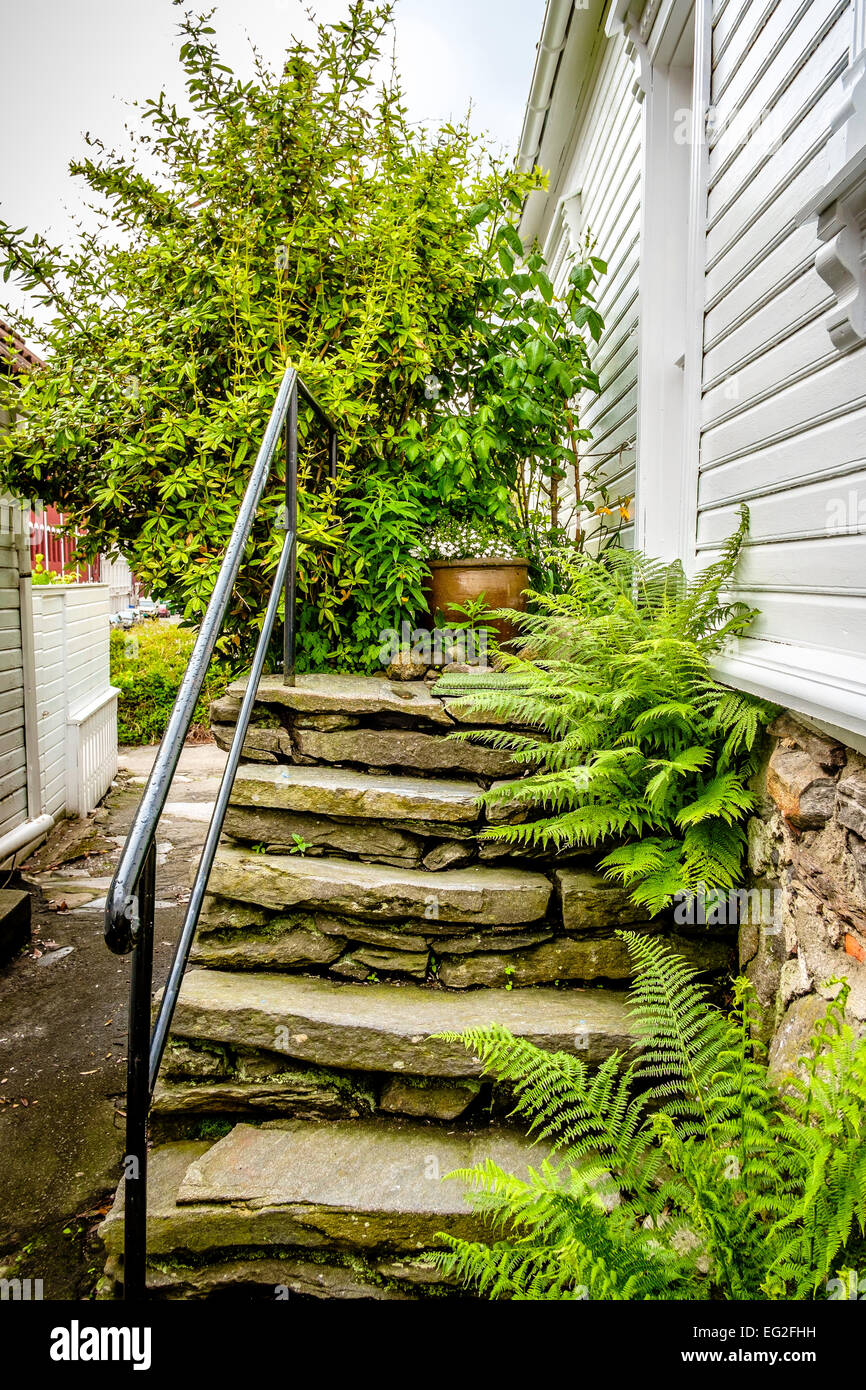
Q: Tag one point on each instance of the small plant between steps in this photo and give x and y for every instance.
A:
(686, 1175)
(637, 744)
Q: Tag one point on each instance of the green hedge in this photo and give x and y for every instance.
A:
(147, 665)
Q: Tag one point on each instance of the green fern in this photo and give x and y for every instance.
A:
(680, 1172)
(624, 738)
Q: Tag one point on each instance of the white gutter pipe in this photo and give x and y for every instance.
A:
(557, 17)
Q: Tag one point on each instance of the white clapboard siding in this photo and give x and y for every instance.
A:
(602, 164)
(13, 753)
(783, 411)
(76, 704)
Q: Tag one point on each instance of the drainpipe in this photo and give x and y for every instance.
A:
(554, 33)
(23, 837)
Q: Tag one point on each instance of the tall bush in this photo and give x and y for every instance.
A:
(297, 217)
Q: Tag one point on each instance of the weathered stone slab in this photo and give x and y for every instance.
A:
(429, 1100)
(258, 742)
(504, 812)
(380, 1028)
(370, 839)
(587, 958)
(344, 694)
(405, 748)
(237, 950)
(182, 1060)
(302, 1094)
(373, 959)
(390, 938)
(218, 914)
(480, 896)
(225, 710)
(590, 901)
(309, 1278)
(492, 851)
(326, 791)
(851, 803)
(224, 736)
(802, 791)
(356, 1183)
(460, 709)
(791, 1041)
(324, 721)
(221, 915)
(559, 959)
(450, 854)
(478, 941)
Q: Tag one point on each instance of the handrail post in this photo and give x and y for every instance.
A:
(292, 526)
(138, 1089)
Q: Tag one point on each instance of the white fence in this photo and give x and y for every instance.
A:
(76, 705)
(115, 572)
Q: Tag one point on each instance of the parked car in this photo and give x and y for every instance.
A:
(148, 608)
(164, 611)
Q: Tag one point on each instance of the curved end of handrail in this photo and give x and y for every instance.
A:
(119, 911)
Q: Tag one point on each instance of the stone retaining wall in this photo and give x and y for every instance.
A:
(808, 846)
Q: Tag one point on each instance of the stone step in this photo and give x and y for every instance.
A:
(480, 896)
(388, 1028)
(343, 1275)
(342, 792)
(372, 1185)
(359, 696)
(403, 748)
(382, 818)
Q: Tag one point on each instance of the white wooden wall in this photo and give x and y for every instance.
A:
(76, 704)
(13, 757)
(783, 413)
(772, 408)
(599, 182)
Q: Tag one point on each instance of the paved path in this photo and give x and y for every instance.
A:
(63, 1010)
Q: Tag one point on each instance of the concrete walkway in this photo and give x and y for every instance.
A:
(63, 1007)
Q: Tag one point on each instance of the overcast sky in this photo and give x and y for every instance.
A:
(70, 66)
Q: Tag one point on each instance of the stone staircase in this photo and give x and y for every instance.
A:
(309, 1104)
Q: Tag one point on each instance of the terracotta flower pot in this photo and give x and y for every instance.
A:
(460, 581)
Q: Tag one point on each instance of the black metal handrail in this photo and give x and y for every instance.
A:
(129, 909)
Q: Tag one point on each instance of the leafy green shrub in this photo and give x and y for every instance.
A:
(147, 665)
(637, 743)
(685, 1174)
(296, 217)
